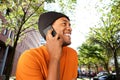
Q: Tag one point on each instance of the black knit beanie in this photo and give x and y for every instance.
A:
(47, 19)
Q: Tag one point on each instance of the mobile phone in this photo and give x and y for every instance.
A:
(48, 28)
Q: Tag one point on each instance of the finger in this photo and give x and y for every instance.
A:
(49, 34)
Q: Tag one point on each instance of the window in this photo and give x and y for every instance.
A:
(5, 31)
(0, 48)
(11, 35)
(0, 22)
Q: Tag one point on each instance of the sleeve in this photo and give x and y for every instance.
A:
(28, 68)
(75, 64)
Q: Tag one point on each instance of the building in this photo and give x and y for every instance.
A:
(5, 49)
(31, 39)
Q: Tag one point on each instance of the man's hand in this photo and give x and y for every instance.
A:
(54, 47)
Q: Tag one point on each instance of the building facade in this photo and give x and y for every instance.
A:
(5, 49)
(31, 39)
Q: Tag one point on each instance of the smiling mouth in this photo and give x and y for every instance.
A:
(67, 35)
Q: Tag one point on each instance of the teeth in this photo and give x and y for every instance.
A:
(67, 34)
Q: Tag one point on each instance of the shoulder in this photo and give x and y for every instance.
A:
(31, 62)
(33, 53)
(69, 49)
(35, 50)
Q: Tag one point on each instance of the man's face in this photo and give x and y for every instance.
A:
(62, 27)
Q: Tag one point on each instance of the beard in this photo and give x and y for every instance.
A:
(66, 43)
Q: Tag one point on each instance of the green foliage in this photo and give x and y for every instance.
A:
(93, 54)
(65, 7)
(91, 51)
(50, 1)
(107, 32)
(21, 15)
(116, 7)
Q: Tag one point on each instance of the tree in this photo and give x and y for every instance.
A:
(93, 54)
(20, 15)
(116, 35)
(108, 38)
(108, 35)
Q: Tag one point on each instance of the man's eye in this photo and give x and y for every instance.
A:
(64, 24)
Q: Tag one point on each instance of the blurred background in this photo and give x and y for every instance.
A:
(95, 34)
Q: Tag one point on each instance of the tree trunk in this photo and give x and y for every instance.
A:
(8, 74)
(106, 67)
(96, 68)
(116, 65)
(12, 54)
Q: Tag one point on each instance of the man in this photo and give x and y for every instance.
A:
(54, 60)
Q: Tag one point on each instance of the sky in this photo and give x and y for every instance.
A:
(85, 16)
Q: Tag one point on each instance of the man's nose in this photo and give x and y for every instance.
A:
(69, 28)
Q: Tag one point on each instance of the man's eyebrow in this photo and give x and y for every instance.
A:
(65, 20)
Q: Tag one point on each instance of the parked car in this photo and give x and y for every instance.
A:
(105, 76)
(102, 73)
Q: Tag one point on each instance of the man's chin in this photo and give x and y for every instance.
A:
(66, 44)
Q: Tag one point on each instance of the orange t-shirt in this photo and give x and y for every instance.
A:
(33, 64)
